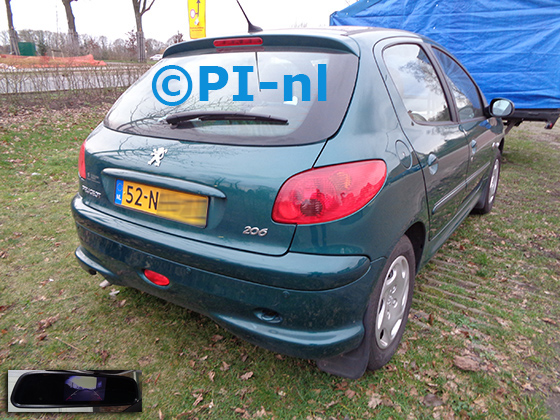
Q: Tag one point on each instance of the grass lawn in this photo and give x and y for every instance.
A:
(487, 302)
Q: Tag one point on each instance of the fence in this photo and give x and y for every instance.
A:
(17, 86)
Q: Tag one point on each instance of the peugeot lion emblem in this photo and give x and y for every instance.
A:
(158, 155)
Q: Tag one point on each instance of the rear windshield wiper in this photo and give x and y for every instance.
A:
(181, 117)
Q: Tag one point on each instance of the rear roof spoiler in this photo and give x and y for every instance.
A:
(303, 40)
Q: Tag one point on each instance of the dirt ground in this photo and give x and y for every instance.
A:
(539, 134)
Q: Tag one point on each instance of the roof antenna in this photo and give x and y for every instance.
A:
(252, 28)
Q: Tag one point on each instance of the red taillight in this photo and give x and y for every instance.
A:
(328, 193)
(238, 42)
(82, 161)
(156, 278)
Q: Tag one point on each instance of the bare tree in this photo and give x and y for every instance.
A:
(14, 47)
(141, 7)
(175, 39)
(153, 46)
(131, 43)
(73, 38)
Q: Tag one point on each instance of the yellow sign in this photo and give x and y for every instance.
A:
(197, 19)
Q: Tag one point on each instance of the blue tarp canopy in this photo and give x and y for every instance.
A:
(511, 47)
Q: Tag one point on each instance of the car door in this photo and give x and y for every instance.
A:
(430, 125)
(470, 110)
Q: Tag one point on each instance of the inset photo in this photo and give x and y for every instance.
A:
(76, 391)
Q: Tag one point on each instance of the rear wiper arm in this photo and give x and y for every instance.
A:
(221, 116)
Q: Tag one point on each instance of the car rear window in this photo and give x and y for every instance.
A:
(299, 118)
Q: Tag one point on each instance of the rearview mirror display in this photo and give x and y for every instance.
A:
(59, 389)
(84, 388)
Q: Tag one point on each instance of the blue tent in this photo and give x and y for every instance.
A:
(511, 47)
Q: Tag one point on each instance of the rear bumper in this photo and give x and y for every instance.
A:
(318, 302)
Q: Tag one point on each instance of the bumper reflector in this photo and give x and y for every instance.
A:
(156, 278)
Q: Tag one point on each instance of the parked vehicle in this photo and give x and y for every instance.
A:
(292, 185)
(510, 47)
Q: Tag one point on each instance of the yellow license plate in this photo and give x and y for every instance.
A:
(179, 206)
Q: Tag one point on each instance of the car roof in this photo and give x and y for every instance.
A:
(345, 38)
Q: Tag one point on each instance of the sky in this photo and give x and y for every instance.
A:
(114, 18)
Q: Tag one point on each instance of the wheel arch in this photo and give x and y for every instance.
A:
(417, 236)
(501, 146)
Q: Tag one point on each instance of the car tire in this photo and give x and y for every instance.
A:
(390, 303)
(488, 197)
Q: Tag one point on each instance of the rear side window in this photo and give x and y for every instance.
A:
(464, 90)
(417, 83)
(307, 118)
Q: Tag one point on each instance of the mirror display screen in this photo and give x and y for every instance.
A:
(58, 389)
(84, 388)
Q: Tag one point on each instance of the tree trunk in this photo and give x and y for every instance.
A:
(140, 41)
(141, 45)
(140, 7)
(14, 47)
(73, 37)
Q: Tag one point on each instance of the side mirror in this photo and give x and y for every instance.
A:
(46, 389)
(500, 108)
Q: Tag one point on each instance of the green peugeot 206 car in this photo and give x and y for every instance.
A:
(290, 184)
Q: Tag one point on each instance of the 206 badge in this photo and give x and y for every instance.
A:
(158, 155)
